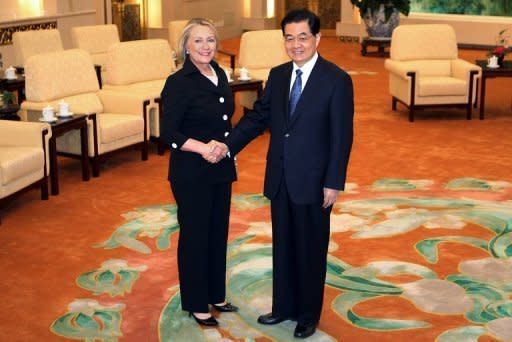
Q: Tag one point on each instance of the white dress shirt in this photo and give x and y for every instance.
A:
(306, 71)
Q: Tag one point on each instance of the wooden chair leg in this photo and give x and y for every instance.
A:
(95, 166)
(145, 149)
(393, 103)
(468, 111)
(411, 113)
(44, 188)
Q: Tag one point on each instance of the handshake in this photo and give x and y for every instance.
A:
(214, 151)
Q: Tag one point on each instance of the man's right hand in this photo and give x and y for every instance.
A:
(215, 152)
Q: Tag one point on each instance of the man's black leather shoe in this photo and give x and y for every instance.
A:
(303, 331)
(270, 319)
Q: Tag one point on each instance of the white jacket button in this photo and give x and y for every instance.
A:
(224, 117)
(174, 145)
(221, 100)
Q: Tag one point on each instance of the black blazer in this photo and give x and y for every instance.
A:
(311, 150)
(193, 107)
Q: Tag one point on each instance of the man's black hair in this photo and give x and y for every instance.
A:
(299, 15)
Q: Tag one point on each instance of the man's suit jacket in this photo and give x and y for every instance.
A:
(194, 107)
(310, 150)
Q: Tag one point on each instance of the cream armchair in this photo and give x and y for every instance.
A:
(96, 39)
(141, 67)
(120, 121)
(260, 51)
(425, 71)
(34, 42)
(23, 157)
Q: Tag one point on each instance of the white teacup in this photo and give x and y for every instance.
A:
(63, 108)
(10, 73)
(244, 74)
(48, 113)
(492, 62)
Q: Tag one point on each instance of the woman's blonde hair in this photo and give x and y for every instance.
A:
(182, 49)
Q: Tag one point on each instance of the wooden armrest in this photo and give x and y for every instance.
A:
(97, 68)
(231, 58)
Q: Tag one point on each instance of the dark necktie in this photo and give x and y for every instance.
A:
(295, 93)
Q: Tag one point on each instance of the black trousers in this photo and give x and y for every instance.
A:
(300, 240)
(203, 216)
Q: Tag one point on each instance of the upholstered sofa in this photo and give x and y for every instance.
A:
(140, 67)
(96, 39)
(23, 157)
(425, 71)
(33, 42)
(121, 119)
(260, 51)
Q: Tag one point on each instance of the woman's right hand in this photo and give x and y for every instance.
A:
(213, 152)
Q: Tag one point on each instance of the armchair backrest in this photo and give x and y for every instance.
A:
(55, 75)
(175, 30)
(423, 42)
(262, 49)
(139, 61)
(33, 42)
(95, 39)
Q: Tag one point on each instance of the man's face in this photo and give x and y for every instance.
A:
(299, 43)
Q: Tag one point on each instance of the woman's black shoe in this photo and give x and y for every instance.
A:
(228, 307)
(210, 321)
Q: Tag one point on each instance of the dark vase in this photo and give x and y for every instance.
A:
(500, 60)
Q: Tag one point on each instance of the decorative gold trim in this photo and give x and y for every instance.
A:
(7, 32)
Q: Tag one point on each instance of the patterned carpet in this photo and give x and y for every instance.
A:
(420, 245)
(431, 218)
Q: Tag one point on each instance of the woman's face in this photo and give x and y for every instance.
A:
(201, 45)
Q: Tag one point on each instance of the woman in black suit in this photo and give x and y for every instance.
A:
(197, 106)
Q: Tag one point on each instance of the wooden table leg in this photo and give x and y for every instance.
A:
(482, 97)
(54, 173)
(84, 142)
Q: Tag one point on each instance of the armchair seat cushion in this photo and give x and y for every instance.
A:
(440, 86)
(118, 126)
(18, 162)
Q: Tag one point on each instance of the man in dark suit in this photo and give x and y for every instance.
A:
(308, 106)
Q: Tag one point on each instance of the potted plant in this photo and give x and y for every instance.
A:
(7, 98)
(381, 16)
(502, 47)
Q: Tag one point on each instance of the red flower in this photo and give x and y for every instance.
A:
(499, 51)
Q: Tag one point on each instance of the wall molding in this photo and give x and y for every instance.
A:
(7, 32)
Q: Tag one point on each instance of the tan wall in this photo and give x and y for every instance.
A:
(67, 13)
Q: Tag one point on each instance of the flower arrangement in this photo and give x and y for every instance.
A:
(7, 98)
(502, 47)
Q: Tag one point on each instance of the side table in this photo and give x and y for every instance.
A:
(504, 71)
(380, 43)
(252, 84)
(17, 85)
(59, 127)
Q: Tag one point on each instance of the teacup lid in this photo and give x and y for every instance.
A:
(63, 102)
(10, 68)
(48, 107)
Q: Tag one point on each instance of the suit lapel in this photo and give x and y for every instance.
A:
(308, 92)
(285, 88)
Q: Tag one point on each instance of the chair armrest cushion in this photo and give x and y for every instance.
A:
(461, 69)
(122, 103)
(398, 68)
(20, 133)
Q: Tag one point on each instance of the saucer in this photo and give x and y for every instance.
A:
(11, 78)
(49, 120)
(244, 79)
(65, 115)
(492, 66)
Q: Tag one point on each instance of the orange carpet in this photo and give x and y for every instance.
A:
(441, 177)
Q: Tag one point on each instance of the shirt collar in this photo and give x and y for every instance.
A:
(308, 66)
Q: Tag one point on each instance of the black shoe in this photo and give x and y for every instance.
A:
(270, 319)
(303, 331)
(210, 321)
(228, 307)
